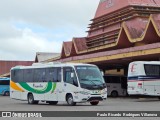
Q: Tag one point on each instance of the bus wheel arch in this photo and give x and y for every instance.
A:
(6, 93)
(69, 99)
(114, 93)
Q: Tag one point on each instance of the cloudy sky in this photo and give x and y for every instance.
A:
(30, 26)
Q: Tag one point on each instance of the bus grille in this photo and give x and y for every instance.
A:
(95, 98)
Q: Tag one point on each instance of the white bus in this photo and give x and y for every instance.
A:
(144, 78)
(116, 85)
(50, 82)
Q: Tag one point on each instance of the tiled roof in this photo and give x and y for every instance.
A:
(112, 52)
(131, 32)
(73, 47)
(118, 24)
(66, 49)
(80, 44)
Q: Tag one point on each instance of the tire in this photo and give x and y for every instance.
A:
(70, 100)
(94, 103)
(53, 102)
(114, 94)
(31, 99)
(6, 93)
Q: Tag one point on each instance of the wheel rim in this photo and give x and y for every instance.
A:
(114, 94)
(70, 100)
(7, 93)
(30, 99)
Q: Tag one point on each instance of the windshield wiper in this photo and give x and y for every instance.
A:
(98, 81)
(92, 82)
(103, 84)
(89, 81)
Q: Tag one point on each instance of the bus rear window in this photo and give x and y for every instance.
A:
(152, 70)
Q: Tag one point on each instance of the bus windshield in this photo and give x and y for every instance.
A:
(90, 77)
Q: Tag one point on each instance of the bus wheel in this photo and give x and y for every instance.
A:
(114, 94)
(53, 102)
(6, 93)
(31, 99)
(70, 100)
(94, 103)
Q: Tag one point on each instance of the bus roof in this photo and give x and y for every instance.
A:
(51, 64)
(4, 78)
(146, 62)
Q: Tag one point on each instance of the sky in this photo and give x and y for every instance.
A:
(30, 26)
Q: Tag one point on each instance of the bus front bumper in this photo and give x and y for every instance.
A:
(89, 98)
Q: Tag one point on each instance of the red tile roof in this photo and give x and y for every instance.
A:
(66, 48)
(117, 24)
(132, 31)
(5, 66)
(80, 44)
(112, 52)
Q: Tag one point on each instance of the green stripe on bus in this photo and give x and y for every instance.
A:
(53, 87)
(48, 88)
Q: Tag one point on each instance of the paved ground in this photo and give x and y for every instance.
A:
(111, 104)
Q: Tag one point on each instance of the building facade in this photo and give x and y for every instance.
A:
(5, 66)
(122, 31)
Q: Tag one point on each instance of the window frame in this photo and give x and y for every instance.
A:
(75, 80)
(36, 75)
(149, 74)
(56, 79)
(5, 82)
(14, 76)
(29, 79)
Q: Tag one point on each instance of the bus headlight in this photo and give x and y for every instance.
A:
(104, 91)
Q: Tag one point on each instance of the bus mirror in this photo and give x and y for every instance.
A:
(72, 75)
(102, 73)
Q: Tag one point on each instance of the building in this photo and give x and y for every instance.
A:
(122, 31)
(5, 66)
(44, 56)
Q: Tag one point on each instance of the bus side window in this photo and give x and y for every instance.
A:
(109, 78)
(68, 71)
(4, 82)
(124, 82)
(39, 75)
(17, 75)
(116, 79)
(28, 75)
(51, 74)
(13, 74)
(152, 70)
(59, 74)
